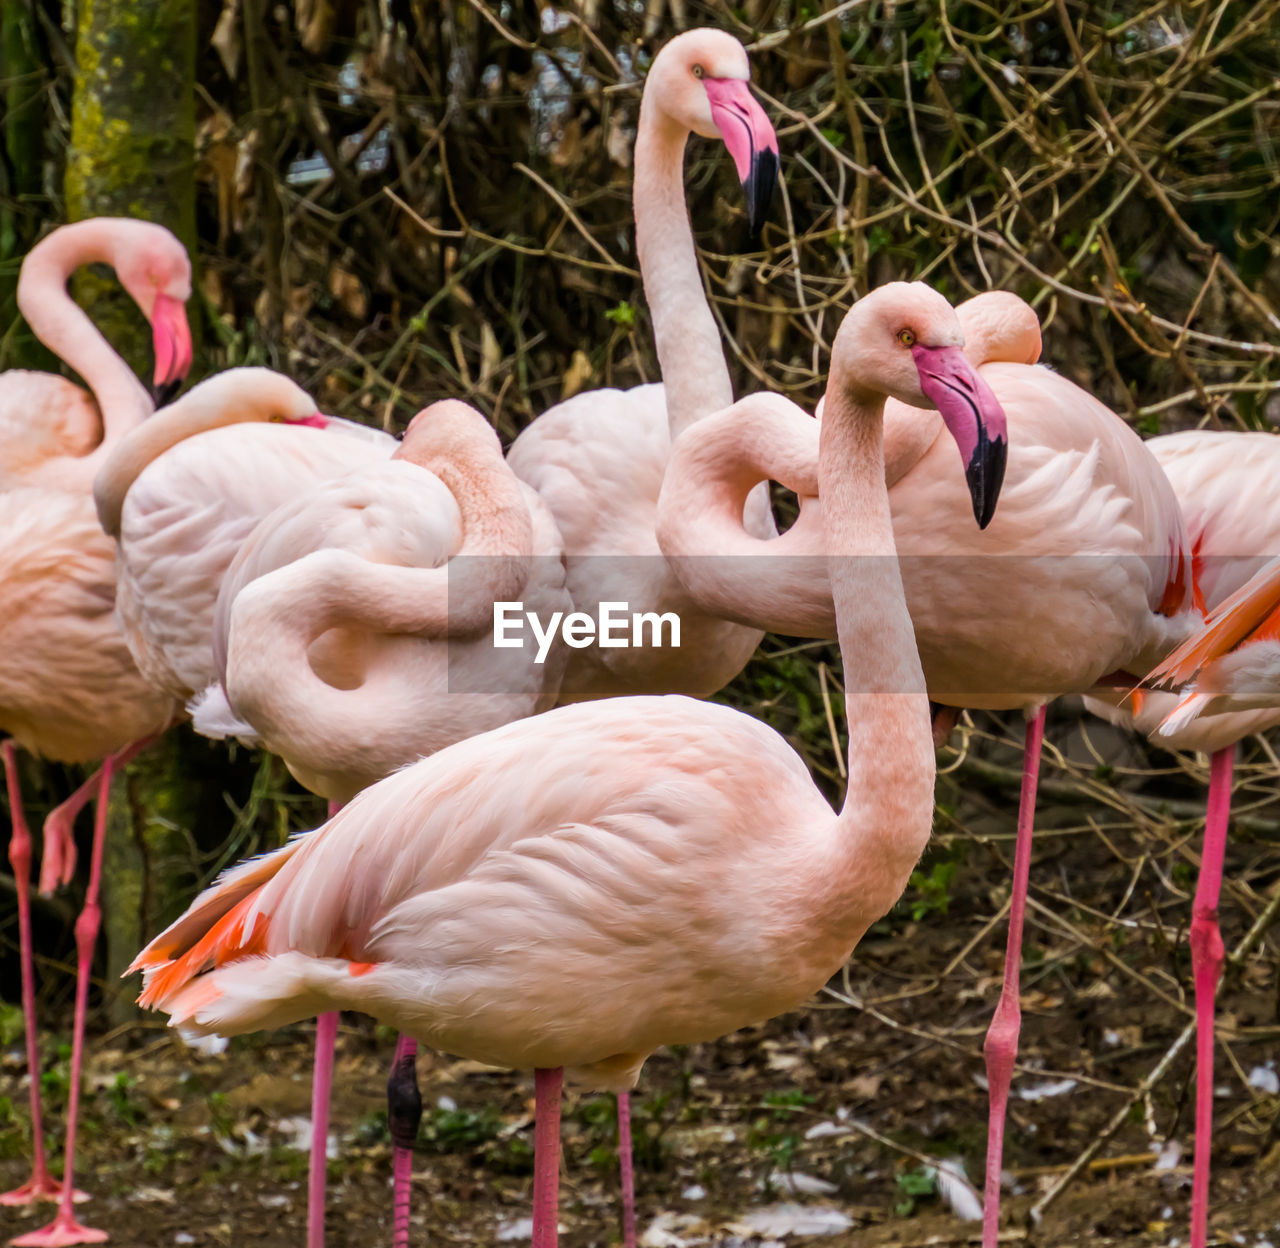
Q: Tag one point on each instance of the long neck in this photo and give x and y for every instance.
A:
(63, 327)
(690, 352)
(194, 413)
(888, 806)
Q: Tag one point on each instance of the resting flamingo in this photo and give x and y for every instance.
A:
(68, 689)
(353, 633)
(1225, 483)
(53, 433)
(577, 889)
(1084, 575)
(598, 459)
(182, 492)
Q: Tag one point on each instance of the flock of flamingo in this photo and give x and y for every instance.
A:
(571, 887)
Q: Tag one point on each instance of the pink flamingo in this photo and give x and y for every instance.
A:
(577, 889)
(1079, 483)
(68, 688)
(74, 431)
(598, 459)
(354, 635)
(181, 494)
(1225, 483)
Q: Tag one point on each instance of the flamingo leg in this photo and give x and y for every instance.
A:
(404, 1113)
(1206, 967)
(628, 1171)
(321, 1084)
(41, 1185)
(65, 1229)
(58, 862)
(546, 1157)
(1001, 1046)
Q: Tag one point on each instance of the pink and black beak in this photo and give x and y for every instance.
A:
(172, 339)
(974, 418)
(749, 136)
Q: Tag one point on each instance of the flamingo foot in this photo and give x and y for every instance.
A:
(40, 1186)
(63, 1230)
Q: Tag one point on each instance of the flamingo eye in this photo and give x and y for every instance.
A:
(698, 71)
(906, 337)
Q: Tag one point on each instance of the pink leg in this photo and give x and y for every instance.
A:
(1001, 1047)
(628, 1172)
(41, 1185)
(58, 863)
(546, 1157)
(65, 1229)
(321, 1083)
(1206, 967)
(404, 1113)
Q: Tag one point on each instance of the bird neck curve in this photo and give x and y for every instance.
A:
(690, 352)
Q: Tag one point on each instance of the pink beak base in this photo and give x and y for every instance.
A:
(750, 139)
(974, 418)
(171, 336)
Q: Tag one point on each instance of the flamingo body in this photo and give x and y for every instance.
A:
(185, 517)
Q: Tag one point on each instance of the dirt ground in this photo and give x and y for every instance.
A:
(824, 1127)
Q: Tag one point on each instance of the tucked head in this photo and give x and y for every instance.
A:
(700, 80)
(154, 268)
(904, 340)
(449, 429)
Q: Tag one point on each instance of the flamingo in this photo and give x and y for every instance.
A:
(68, 689)
(1005, 632)
(1225, 485)
(181, 493)
(598, 459)
(577, 889)
(353, 636)
(74, 431)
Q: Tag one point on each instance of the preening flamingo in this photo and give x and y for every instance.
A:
(580, 888)
(1084, 573)
(598, 459)
(69, 690)
(53, 433)
(357, 621)
(182, 492)
(354, 635)
(1225, 483)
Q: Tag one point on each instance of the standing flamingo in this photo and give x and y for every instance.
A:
(580, 888)
(181, 495)
(354, 635)
(1225, 483)
(598, 459)
(52, 433)
(1084, 575)
(68, 689)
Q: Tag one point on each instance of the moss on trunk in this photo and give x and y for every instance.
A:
(132, 150)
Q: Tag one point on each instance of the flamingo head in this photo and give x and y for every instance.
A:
(904, 338)
(702, 83)
(154, 268)
(450, 429)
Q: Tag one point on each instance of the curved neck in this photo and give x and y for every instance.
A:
(891, 766)
(59, 323)
(690, 352)
(198, 411)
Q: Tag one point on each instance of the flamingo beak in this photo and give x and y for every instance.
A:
(973, 416)
(750, 138)
(172, 338)
(314, 421)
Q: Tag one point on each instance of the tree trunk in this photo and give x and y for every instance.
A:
(132, 150)
(132, 154)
